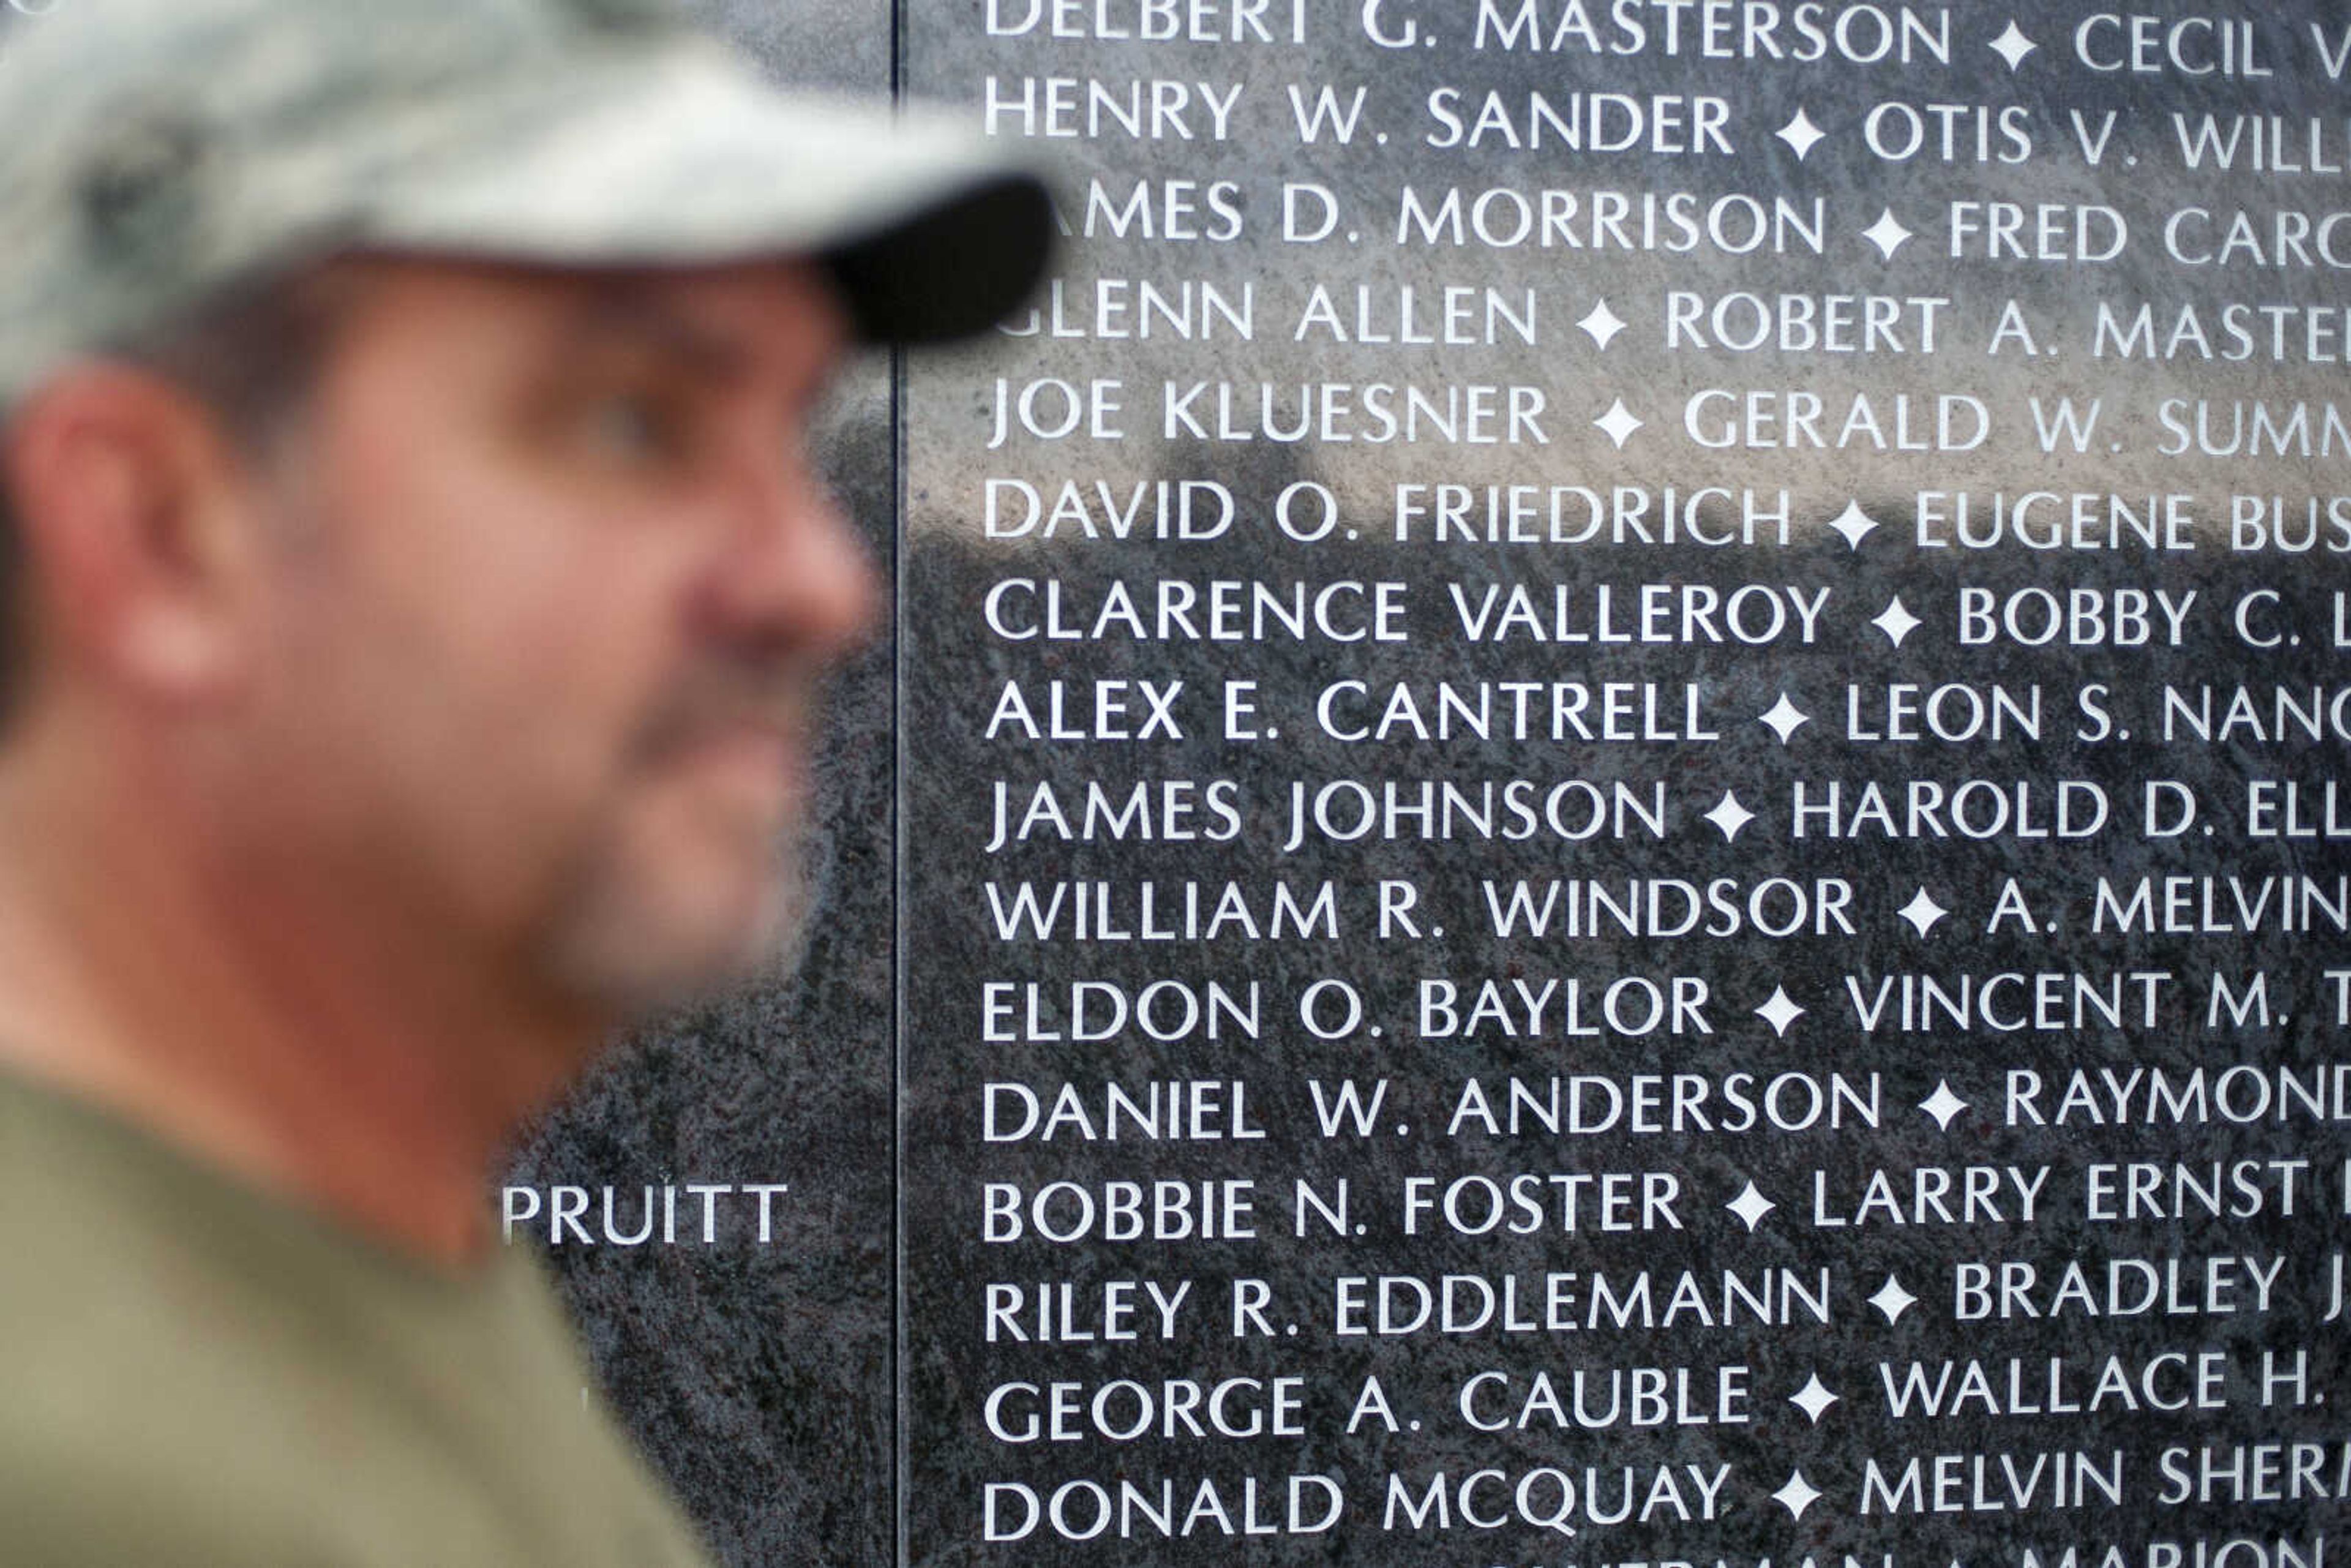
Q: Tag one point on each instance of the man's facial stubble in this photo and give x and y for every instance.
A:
(674, 865)
(608, 939)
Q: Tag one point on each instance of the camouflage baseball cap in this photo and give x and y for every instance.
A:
(152, 151)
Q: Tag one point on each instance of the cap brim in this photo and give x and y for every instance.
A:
(950, 268)
(685, 159)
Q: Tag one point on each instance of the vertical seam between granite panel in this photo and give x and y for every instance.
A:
(899, 554)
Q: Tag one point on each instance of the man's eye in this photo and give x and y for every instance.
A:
(631, 427)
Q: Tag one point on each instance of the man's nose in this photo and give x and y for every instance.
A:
(797, 580)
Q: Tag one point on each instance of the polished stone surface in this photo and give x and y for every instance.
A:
(763, 1377)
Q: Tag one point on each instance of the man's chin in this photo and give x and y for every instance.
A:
(634, 948)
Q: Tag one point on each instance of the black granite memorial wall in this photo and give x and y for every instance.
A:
(1622, 829)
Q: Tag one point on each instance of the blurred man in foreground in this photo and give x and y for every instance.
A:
(416, 582)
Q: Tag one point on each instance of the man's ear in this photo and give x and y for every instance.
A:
(136, 517)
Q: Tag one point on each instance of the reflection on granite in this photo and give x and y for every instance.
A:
(1754, 1117)
(1938, 1251)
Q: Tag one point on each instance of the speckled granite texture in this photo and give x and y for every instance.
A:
(762, 1379)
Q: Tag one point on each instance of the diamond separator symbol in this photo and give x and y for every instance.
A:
(1729, 816)
(1922, 912)
(1854, 524)
(2013, 46)
(1783, 717)
(1887, 233)
(1798, 1495)
(1813, 1398)
(1620, 422)
(1896, 621)
(1750, 1206)
(1780, 1012)
(1600, 323)
(1801, 133)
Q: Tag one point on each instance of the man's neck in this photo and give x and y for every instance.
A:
(255, 1024)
